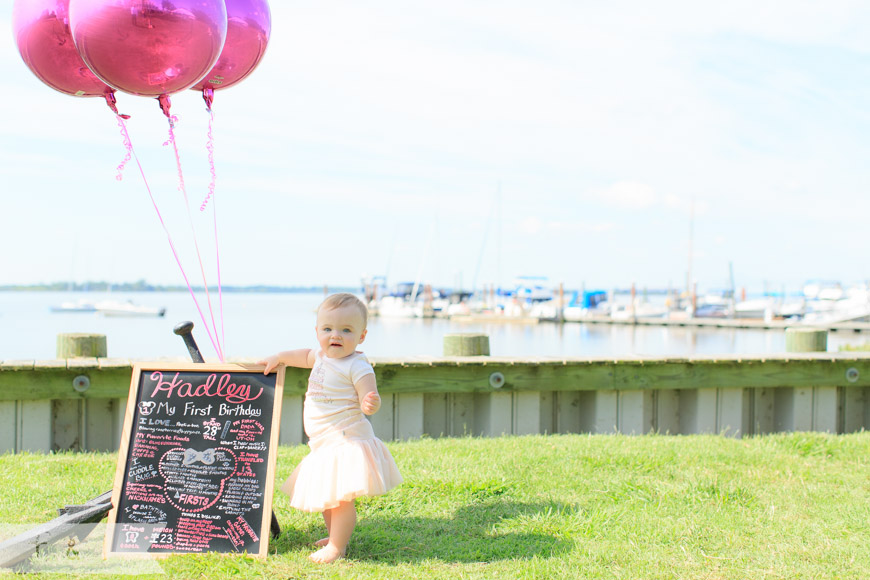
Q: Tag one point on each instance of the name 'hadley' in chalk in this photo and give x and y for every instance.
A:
(231, 392)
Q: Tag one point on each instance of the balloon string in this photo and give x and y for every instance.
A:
(183, 189)
(166, 230)
(127, 145)
(210, 148)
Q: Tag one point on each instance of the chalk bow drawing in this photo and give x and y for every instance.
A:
(191, 456)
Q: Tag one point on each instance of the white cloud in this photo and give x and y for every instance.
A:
(531, 225)
(630, 195)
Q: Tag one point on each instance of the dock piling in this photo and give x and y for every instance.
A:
(466, 344)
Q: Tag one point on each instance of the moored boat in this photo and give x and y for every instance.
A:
(128, 308)
(82, 305)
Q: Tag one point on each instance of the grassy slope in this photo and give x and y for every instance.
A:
(574, 506)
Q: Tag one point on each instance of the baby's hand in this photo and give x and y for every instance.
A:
(371, 403)
(270, 362)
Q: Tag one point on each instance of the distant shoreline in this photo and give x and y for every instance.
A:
(142, 286)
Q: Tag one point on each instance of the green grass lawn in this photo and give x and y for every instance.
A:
(565, 506)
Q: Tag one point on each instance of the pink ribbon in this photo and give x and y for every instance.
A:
(132, 153)
(181, 187)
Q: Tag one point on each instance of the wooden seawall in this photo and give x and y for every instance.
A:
(79, 403)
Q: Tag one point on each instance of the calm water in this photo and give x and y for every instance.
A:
(259, 324)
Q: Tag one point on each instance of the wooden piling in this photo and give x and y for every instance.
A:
(77, 345)
(806, 340)
(466, 344)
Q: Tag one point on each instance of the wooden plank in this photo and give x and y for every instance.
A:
(460, 414)
(70, 522)
(475, 378)
(383, 422)
(732, 412)
(546, 414)
(118, 421)
(17, 365)
(113, 363)
(826, 412)
(802, 408)
(292, 431)
(763, 415)
(854, 404)
(526, 413)
(8, 426)
(82, 364)
(435, 414)
(699, 411)
(567, 412)
(783, 410)
(66, 425)
(493, 414)
(667, 411)
(100, 425)
(25, 380)
(57, 383)
(409, 416)
(59, 363)
(635, 410)
(606, 412)
(34, 426)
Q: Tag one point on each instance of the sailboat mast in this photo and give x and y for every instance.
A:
(498, 238)
(691, 236)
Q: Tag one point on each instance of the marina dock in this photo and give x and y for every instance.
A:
(752, 323)
(725, 323)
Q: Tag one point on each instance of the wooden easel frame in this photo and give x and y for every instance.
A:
(127, 431)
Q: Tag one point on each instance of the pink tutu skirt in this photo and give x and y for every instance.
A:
(345, 462)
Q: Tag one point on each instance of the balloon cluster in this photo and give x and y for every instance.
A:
(150, 48)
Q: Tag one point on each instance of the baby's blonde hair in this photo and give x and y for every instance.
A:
(345, 299)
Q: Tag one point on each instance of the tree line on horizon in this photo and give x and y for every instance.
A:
(143, 286)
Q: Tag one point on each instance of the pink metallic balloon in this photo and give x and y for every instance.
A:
(249, 24)
(42, 34)
(149, 47)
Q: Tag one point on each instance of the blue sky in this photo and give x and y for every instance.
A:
(472, 141)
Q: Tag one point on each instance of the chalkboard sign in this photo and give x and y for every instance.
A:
(197, 461)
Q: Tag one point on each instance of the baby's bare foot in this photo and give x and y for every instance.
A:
(322, 542)
(326, 554)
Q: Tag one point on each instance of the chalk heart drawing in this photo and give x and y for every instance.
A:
(195, 478)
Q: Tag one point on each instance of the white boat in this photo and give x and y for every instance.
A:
(590, 305)
(853, 307)
(81, 305)
(128, 308)
(823, 290)
(529, 289)
(398, 307)
(641, 309)
(756, 308)
(546, 310)
(407, 301)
